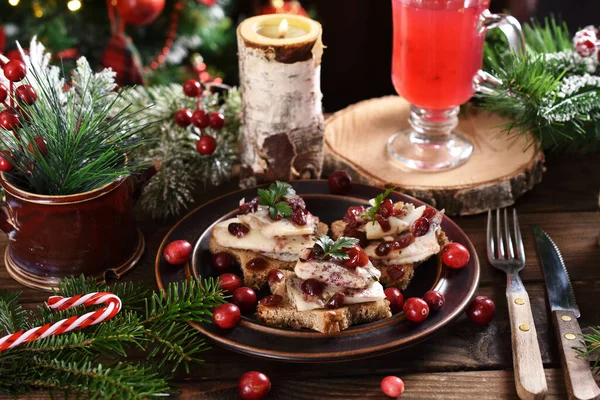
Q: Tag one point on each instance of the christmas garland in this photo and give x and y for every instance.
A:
(152, 326)
(553, 91)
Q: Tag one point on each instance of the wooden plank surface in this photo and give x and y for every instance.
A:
(464, 361)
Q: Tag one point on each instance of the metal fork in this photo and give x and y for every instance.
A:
(505, 252)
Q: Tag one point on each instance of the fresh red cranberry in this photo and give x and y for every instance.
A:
(395, 272)
(403, 241)
(250, 206)
(183, 118)
(217, 120)
(383, 222)
(244, 298)
(254, 385)
(336, 301)
(355, 233)
(340, 182)
(272, 300)
(394, 296)
(455, 255)
(191, 88)
(392, 386)
(429, 213)
(229, 282)
(420, 227)
(434, 299)
(358, 258)
(383, 249)
(238, 230)
(415, 309)
(177, 252)
(257, 264)
(482, 310)
(299, 217)
(353, 214)
(274, 276)
(312, 287)
(227, 316)
(200, 119)
(386, 209)
(222, 262)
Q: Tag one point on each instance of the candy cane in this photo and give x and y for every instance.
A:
(113, 306)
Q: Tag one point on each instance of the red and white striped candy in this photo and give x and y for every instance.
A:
(113, 306)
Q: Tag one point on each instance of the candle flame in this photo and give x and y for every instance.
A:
(283, 28)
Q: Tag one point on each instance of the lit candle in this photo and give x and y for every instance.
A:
(280, 66)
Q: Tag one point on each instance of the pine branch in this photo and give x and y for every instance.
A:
(12, 315)
(590, 346)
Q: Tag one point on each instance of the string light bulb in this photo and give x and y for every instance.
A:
(74, 5)
(14, 3)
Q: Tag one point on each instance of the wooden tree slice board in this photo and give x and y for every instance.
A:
(500, 170)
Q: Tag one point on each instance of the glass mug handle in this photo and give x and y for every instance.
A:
(485, 82)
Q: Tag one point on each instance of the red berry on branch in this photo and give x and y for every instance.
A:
(244, 298)
(585, 46)
(25, 94)
(15, 70)
(222, 262)
(177, 252)
(5, 165)
(183, 118)
(482, 310)
(434, 299)
(230, 283)
(200, 119)
(3, 93)
(392, 386)
(455, 255)
(227, 316)
(139, 12)
(217, 120)
(40, 144)
(394, 296)
(9, 120)
(206, 145)
(254, 385)
(415, 309)
(192, 88)
(340, 182)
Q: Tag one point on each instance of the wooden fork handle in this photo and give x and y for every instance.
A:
(578, 375)
(527, 359)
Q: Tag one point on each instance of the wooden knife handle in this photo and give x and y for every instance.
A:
(578, 374)
(530, 378)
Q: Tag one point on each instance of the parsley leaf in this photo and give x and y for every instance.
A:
(372, 211)
(336, 249)
(273, 196)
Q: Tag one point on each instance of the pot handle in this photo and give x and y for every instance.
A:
(139, 181)
(7, 221)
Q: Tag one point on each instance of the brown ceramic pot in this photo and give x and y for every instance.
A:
(53, 237)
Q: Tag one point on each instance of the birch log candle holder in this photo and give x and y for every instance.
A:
(282, 131)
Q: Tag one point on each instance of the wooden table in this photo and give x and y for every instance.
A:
(462, 362)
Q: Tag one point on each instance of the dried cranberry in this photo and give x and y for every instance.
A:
(256, 264)
(353, 214)
(420, 227)
(274, 276)
(336, 301)
(317, 252)
(358, 258)
(429, 213)
(403, 241)
(398, 211)
(386, 209)
(299, 217)
(249, 207)
(355, 233)
(272, 300)
(238, 230)
(383, 222)
(312, 287)
(383, 249)
(296, 202)
(395, 272)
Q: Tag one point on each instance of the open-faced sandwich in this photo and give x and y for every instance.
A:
(333, 286)
(269, 233)
(396, 236)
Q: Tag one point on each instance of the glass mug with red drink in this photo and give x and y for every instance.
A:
(437, 56)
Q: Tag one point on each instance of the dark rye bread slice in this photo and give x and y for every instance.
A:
(391, 276)
(258, 279)
(285, 315)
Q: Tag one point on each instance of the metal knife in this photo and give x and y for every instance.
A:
(578, 375)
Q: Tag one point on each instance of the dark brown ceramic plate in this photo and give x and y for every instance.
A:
(255, 338)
